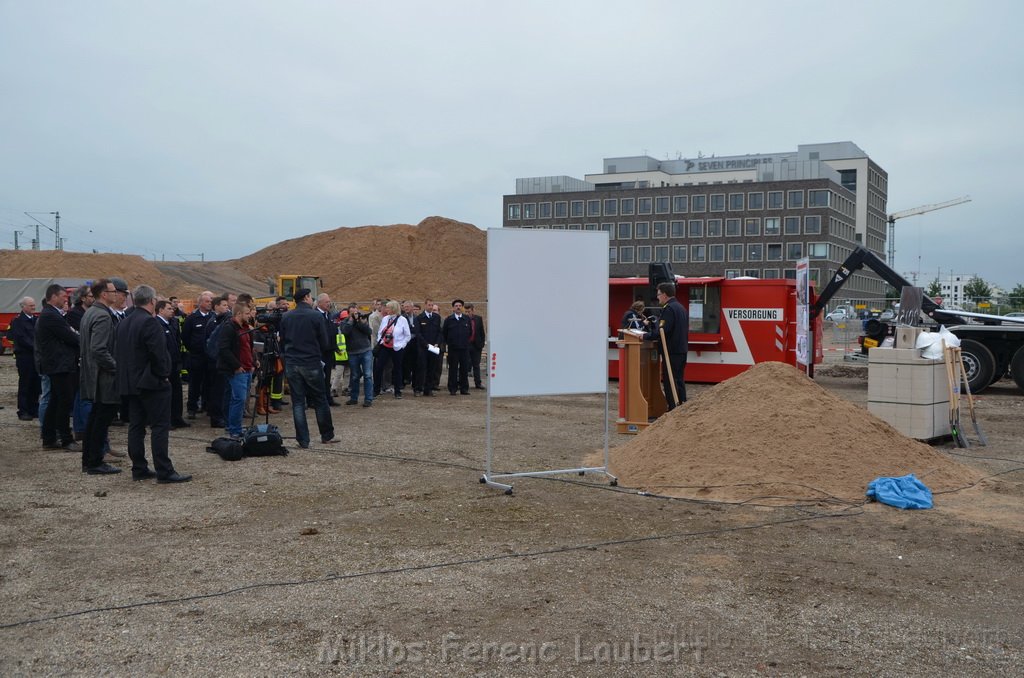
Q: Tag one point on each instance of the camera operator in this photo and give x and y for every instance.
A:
(360, 356)
(304, 342)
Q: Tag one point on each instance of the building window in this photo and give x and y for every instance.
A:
(732, 228)
(755, 201)
(661, 254)
(593, 208)
(771, 274)
(775, 200)
(697, 253)
(575, 227)
(590, 227)
(678, 254)
(794, 250)
(625, 231)
(796, 200)
(735, 202)
(752, 226)
(661, 204)
(699, 203)
(676, 229)
(792, 225)
(680, 203)
(576, 208)
(731, 273)
(773, 252)
(644, 206)
(736, 251)
(643, 254)
(817, 250)
(718, 202)
(717, 252)
(554, 227)
(607, 228)
(514, 211)
(626, 255)
(714, 228)
(751, 272)
(611, 207)
(561, 210)
(812, 224)
(696, 229)
(529, 210)
(789, 273)
(544, 210)
(771, 226)
(613, 255)
(628, 206)
(659, 229)
(755, 251)
(643, 230)
(818, 198)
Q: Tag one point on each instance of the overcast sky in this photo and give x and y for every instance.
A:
(174, 128)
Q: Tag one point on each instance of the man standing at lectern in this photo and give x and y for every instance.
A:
(676, 327)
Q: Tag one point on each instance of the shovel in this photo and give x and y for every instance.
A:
(970, 398)
(954, 398)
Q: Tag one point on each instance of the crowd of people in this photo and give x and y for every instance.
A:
(114, 358)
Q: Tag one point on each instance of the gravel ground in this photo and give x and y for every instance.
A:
(385, 556)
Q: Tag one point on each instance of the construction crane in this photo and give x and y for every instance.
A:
(911, 212)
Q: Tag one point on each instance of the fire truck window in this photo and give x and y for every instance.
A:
(705, 310)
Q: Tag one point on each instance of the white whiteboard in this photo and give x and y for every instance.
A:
(547, 307)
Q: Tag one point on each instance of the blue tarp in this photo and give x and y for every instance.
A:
(905, 492)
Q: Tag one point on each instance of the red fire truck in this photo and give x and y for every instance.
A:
(13, 290)
(734, 323)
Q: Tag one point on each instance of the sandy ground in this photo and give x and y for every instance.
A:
(385, 556)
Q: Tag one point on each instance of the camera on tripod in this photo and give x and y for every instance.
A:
(269, 319)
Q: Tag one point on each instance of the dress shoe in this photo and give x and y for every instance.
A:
(451, 392)
(333, 403)
(367, 403)
(351, 402)
(180, 423)
(218, 423)
(428, 394)
(24, 416)
(116, 453)
(480, 388)
(174, 478)
(398, 396)
(51, 446)
(101, 470)
(331, 441)
(143, 475)
(72, 446)
(117, 422)
(79, 436)
(191, 415)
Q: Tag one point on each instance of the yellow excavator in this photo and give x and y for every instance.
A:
(286, 285)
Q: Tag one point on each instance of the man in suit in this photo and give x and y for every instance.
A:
(193, 335)
(456, 330)
(23, 335)
(676, 328)
(143, 371)
(57, 358)
(428, 333)
(323, 306)
(98, 376)
(165, 312)
(477, 337)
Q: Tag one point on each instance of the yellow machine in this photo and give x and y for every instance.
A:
(286, 285)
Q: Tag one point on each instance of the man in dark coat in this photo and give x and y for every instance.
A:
(98, 376)
(477, 338)
(57, 357)
(428, 333)
(23, 335)
(165, 312)
(456, 330)
(193, 336)
(676, 328)
(143, 369)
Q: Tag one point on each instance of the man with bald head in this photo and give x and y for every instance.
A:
(23, 334)
(323, 305)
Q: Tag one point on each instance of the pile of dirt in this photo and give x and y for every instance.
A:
(63, 264)
(770, 433)
(438, 258)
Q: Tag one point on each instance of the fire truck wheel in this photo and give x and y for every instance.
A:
(1017, 368)
(979, 363)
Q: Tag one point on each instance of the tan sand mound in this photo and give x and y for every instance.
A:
(63, 264)
(770, 432)
(438, 258)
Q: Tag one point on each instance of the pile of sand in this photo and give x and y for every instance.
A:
(773, 432)
(63, 264)
(438, 258)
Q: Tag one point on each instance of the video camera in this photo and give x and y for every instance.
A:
(269, 318)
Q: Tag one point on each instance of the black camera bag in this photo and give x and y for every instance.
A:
(263, 440)
(229, 449)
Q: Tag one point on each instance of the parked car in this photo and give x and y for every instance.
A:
(837, 315)
(887, 314)
(1015, 314)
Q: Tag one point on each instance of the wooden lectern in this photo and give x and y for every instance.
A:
(640, 396)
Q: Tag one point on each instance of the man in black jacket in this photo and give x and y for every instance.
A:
(166, 312)
(23, 335)
(428, 333)
(477, 338)
(57, 357)
(456, 330)
(143, 369)
(193, 337)
(304, 343)
(676, 327)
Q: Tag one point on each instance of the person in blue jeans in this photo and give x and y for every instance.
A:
(236, 362)
(360, 358)
(304, 342)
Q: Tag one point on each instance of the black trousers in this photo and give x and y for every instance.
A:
(474, 359)
(426, 367)
(29, 384)
(678, 361)
(177, 404)
(388, 357)
(57, 420)
(328, 368)
(198, 385)
(458, 369)
(152, 409)
(96, 429)
(216, 387)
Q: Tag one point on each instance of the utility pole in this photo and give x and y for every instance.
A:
(16, 234)
(60, 240)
